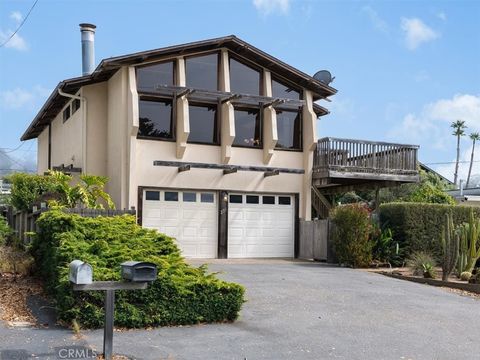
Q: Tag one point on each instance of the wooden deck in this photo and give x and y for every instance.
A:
(344, 164)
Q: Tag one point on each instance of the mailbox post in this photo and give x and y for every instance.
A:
(136, 275)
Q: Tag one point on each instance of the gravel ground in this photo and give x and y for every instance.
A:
(299, 310)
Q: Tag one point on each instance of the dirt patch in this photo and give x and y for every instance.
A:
(14, 293)
(463, 293)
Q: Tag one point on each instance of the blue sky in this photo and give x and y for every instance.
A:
(404, 69)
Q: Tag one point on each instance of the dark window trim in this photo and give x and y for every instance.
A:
(173, 122)
(250, 65)
(287, 83)
(300, 148)
(65, 118)
(174, 61)
(260, 112)
(217, 126)
(218, 52)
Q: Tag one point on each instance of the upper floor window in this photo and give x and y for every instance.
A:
(248, 128)
(203, 124)
(289, 129)
(244, 79)
(151, 76)
(75, 105)
(202, 71)
(66, 113)
(155, 119)
(280, 90)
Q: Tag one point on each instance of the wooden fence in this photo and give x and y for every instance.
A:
(23, 222)
(315, 240)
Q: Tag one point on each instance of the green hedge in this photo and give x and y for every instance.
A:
(181, 294)
(418, 226)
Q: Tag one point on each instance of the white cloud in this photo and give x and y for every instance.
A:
(442, 16)
(417, 32)
(16, 16)
(19, 98)
(267, 7)
(377, 21)
(431, 126)
(17, 42)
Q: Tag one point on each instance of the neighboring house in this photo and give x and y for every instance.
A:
(5, 188)
(213, 142)
(431, 171)
(469, 196)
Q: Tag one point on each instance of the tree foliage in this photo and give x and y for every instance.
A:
(27, 189)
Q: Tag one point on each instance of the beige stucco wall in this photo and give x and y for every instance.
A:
(244, 181)
(96, 129)
(66, 145)
(117, 145)
(42, 152)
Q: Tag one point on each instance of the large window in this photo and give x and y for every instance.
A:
(280, 90)
(244, 79)
(202, 72)
(151, 76)
(289, 128)
(247, 128)
(203, 124)
(155, 119)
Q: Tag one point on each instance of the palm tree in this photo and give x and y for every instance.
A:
(458, 131)
(474, 136)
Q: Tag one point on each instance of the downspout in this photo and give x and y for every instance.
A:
(84, 127)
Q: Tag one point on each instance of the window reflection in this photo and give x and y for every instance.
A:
(244, 79)
(203, 124)
(280, 90)
(202, 72)
(155, 119)
(289, 129)
(247, 128)
(151, 76)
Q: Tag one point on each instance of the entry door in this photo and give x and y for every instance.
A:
(188, 216)
(260, 225)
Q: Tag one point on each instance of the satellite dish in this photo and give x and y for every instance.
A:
(324, 76)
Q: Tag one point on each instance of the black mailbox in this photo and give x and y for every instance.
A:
(139, 271)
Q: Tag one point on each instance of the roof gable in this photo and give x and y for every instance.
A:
(109, 66)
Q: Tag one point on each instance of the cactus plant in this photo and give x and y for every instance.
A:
(450, 247)
(469, 247)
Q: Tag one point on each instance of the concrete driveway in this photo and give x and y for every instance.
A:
(301, 310)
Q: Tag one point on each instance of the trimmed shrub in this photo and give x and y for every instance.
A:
(418, 226)
(181, 294)
(351, 235)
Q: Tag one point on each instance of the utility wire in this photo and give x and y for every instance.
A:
(19, 26)
(12, 150)
(451, 162)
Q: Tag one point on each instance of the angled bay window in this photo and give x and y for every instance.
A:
(203, 124)
(289, 129)
(244, 79)
(149, 77)
(248, 129)
(155, 119)
(202, 71)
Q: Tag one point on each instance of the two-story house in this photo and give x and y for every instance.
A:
(212, 142)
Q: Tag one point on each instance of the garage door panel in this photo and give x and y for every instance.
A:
(193, 224)
(261, 230)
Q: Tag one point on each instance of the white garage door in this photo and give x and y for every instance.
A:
(188, 216)
(260, 226)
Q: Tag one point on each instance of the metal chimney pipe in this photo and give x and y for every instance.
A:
(88, 48)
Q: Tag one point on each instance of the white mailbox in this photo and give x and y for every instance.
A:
(80, 272)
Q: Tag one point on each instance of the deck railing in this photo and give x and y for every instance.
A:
(358, 156)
